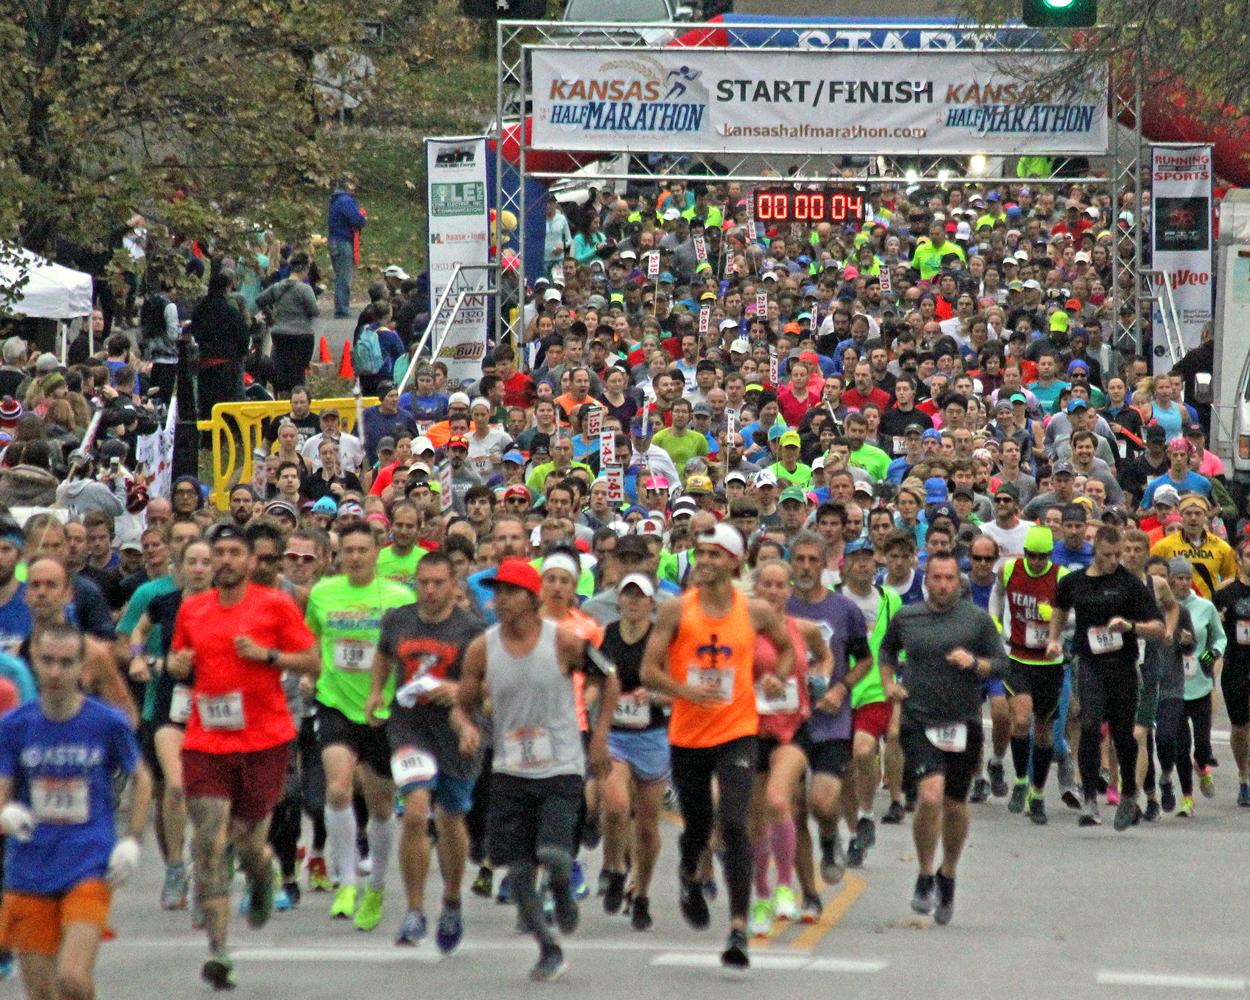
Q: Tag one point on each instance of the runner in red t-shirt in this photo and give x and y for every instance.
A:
(238, 639)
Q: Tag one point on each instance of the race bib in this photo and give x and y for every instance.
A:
(633, 710)
(949, 739)
(1122, 445)
(1036, 635)
(410, 765)
(482, 463)
(1103, 640)
(180, 705)
(787, 703)
(1243, 632)
(720, 678)
(899, 444)
(60, 800)
(353, 655)
(1190, 662)
(223, 712)
(527, 748)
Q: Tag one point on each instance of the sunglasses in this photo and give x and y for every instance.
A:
(268, 560)
(988, 559)
(303, 557)
(1003, 500)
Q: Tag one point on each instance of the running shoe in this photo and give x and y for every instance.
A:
(412, 930)
(218, 972)
(1071, 796)
(1066, 772)
(8, 964)
(1167, 796)
(670, 799)
(293, 894)
(369, 913)
(260, 903)
(998, 779)
(866, 830)
(812, 908)
(1089, 814)
(318, 877)
(1019, 794)
(364, 867)
(1243, 795)
(484, 884)
(450, 928)
(785, 906)
(734, 957)
(1127, 813)
(344, 905)
(694, 904)
(1187, 807)
(551, 965)
(1152, 811)
(281, 901)
(980, 790)
(174, 892)
(640, 914)
(504, 896)
(923, 897)
(1113, 795)
(893, 815)
(856, 851)
(1037, 808)
(614, 894)
(945, 909)
(578, 880)
(601, 889)
(566, 907)
(1206, 781)
(909, 800)
(761, 922)
(833, 859)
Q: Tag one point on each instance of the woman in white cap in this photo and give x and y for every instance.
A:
(638, 743)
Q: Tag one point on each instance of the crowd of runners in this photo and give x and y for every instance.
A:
(760, 537)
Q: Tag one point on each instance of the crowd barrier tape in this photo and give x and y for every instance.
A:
(236, 434)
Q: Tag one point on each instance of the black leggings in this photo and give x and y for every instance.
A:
(1167, 729)
(291, 356)
(1107, 694)
(312, 782)
(480, 810)
(1197, 713)
(733, 765)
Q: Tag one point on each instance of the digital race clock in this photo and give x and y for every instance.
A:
(790, 204)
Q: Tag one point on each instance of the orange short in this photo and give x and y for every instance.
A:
(33, 923)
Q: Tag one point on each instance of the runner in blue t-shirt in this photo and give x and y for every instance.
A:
(58, 756)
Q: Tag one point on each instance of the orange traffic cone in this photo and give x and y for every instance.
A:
(345, 369)
(325, 352)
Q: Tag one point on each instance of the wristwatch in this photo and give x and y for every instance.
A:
(271, 657)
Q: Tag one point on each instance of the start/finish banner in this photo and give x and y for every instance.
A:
(459, 227)
(764, 101)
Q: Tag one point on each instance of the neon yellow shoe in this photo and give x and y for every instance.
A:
(369, 915)
(761, 922)
(344, 905)
(785, 906)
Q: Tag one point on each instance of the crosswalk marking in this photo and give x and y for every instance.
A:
(772, 962)
(1171, 980)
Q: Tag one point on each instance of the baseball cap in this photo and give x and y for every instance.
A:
(650, 526)
(684, 506)
(776, 431)
(934, 490)
(1034, 284)
(281, 507)
(966, 491)
(793, 493)
(1059, 321)
(1167, 495)
(639, 581)
(725, 537)
(516, 573)
(655, 483)
(736, 477)
(458, 442)
(1076, 404)
(1040, 539)
(764, 478)
(931, 434)
(517, 490)
(790, 438)
(1008, 489)
(422, 445)
(351, 507)
(552, 295)
(701, 410)
(914, 429)
(740, 346)
(1061, 468)
(627, 255)
(698, 484)
(1072, 304)
(395, 271)
(1019, 397)
(514, 456)
(728, 324)
(386, 444)
(859, 545)
(671, 215)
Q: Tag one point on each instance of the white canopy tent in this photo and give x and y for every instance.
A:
(50, 291)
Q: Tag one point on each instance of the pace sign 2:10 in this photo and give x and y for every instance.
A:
(785, 204)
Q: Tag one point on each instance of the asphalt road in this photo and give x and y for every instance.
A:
(1041, 913)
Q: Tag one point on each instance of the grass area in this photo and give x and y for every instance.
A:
(450, 96)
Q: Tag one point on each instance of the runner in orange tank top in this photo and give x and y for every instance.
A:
(701, 654)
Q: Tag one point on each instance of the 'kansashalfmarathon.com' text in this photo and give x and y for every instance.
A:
(818, 132)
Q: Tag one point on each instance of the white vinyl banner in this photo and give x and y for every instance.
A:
(459, 229)
(768, 101)
(1181, 193)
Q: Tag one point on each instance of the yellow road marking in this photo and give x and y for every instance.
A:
(852, 888)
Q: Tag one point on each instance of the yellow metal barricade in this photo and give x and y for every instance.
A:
(236, 431)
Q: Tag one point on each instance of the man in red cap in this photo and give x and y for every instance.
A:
(539, 763)
(462, 475)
